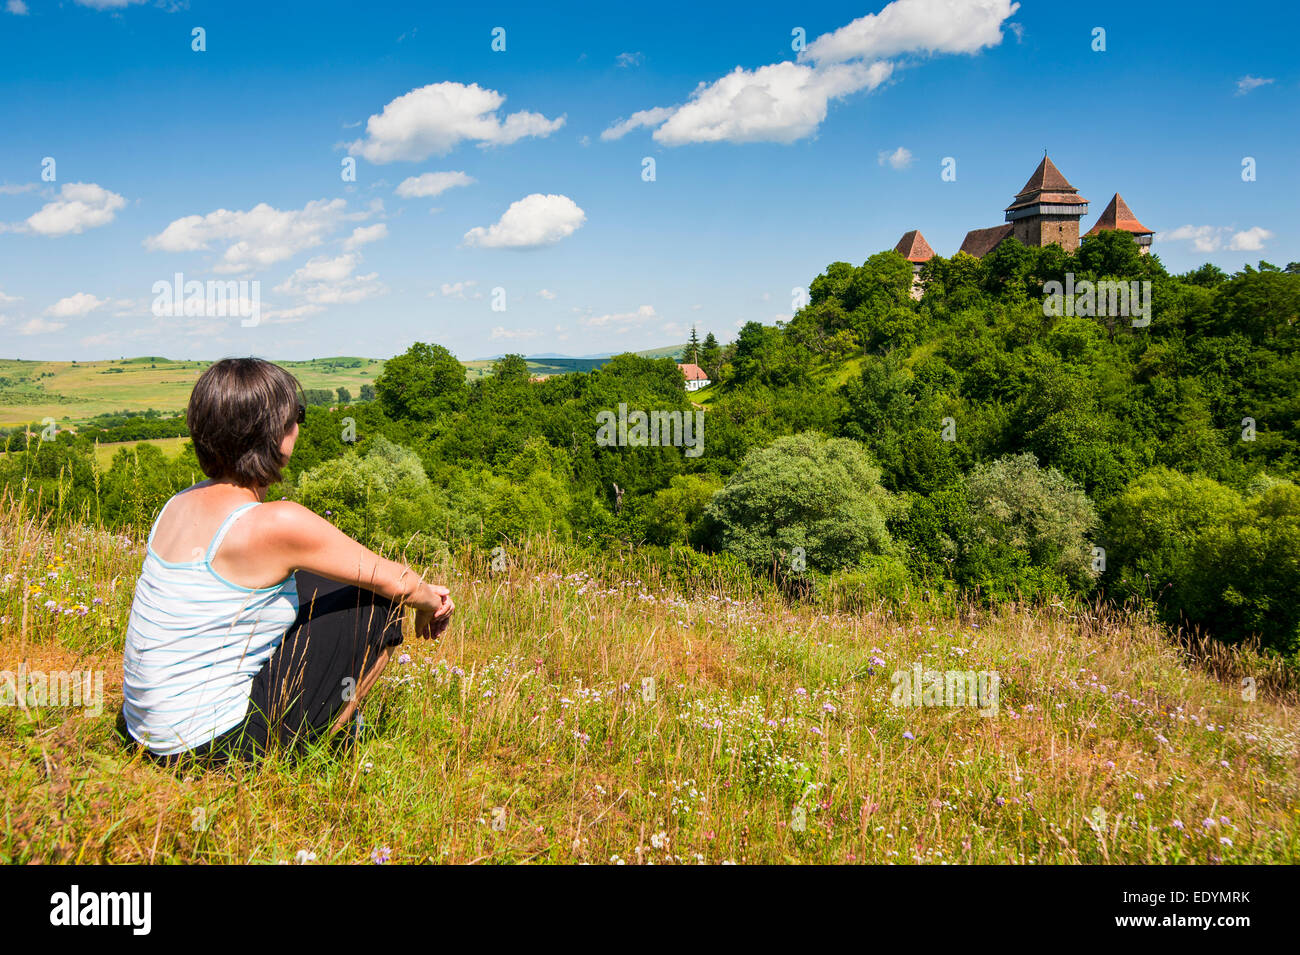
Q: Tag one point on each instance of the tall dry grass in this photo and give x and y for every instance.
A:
(767, 734)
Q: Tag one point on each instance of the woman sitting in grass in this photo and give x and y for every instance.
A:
(256, 623)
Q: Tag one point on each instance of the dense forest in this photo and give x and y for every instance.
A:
(968, 443)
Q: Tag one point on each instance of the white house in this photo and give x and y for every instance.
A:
(695, 377)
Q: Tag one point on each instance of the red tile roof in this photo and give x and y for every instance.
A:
(1049, 187)
(1119, 216)
(980, 242)
(693, 372)
(1046, 178)
(913, 247)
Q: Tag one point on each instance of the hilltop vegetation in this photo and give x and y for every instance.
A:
(967, 444)
(705, 668)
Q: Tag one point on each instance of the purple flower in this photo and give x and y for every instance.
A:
(381, 855)
(404, 658)
(1178, 824)
(907, 734)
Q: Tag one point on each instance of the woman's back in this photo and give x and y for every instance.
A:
(196, 638)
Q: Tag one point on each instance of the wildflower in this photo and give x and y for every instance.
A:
(302, 857)
(800, 691)
(1225, 841)
(1208, 822)
(828, 707)
(1139, 797)
(907, 734)
(1178, 824)
(381, 855)
(659, 840)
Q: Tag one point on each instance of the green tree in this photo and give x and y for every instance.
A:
(420, 381)
(822, 496)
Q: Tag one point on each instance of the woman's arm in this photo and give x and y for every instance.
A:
(309, 542)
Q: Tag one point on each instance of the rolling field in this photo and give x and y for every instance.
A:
(73, 392)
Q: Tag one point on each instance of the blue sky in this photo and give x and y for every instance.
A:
(480, 170)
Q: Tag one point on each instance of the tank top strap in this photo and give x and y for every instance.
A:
(153, 530)
(220, 535)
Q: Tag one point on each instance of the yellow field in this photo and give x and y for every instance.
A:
(81, 390)
(104, 452)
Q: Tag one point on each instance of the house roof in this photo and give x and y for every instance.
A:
(1047, 186)
(1119, 216)
(693, 372)
(980, 242)
(913, 247)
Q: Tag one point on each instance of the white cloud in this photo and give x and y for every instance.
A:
(541, 293)
(1248, 83)
(39, 326)
(258, 237)
(1250, 240)
(108, 4)
(785, 102)
(900, 158)
(1209, 238)
(434, 119)
(779, 103)
(363, 234)
(529, 223)
(80, 206)
(432, 184)
(644, 117)
(329, 281)
(287, 316)
(630, 59)
(8, 299)
(915, 26)
(8, 190)
(73, 306)
(458, 289)
(643, 314)
(515, 333)
(17, 8)
(1204, 238)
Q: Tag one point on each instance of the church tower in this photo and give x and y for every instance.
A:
(1047, 210)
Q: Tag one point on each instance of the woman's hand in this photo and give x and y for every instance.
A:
(432, 623)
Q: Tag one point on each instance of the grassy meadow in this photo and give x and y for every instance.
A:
(768, 735)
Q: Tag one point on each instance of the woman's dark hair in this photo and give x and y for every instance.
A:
(239, 412)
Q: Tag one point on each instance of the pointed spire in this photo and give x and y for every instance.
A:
(913, 247)
(1046, 178)
(1119, 216)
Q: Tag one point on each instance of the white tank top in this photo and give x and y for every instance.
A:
(194, 643)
